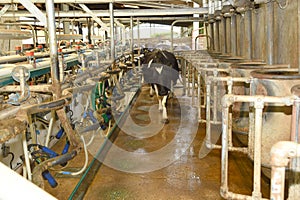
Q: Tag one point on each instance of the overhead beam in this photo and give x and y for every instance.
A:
(94, 17)
(34, 10)
(120, 12)
(4, 9)
(77, 1)
(157, 5)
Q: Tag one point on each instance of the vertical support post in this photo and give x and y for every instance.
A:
(270, 32)
(112, 32)
(199, 95)
(138, 43)
(256, 41)
(224, 36)
(53, 49)
(193, 84)
(295, 129)
(217, 35)
(66, 25)
(228, 34)
(183, 64)
(224, 152)
(233, 35)
(188, 79)
(215, 97)
(258, 105)
(208, 127)
(248, 34)
(211, 22)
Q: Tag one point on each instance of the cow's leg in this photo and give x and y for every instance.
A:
(160, 108)
(164, 110)
(151, 91)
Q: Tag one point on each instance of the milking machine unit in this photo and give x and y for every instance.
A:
(56, 107)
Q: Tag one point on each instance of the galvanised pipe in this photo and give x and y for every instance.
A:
(270, 32)
(229, 82)
(34, 36)
(228, 33)
(201, 35)
(274, 83)
(295, 137)
(248, 34)
(132, 38)
(233, 35)
(217, 35)
(212, 35)
(172, 29)
(208, 44)
(295, 129)
(53, 49)
(256, 42)
(112, 32)
(281, 154)
(224, 49)
(258, 102)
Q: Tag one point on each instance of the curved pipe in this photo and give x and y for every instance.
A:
(258, 101)
(281, 154)
(207, 37)
(33, 31)
(181, 20)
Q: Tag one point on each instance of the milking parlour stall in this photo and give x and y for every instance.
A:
(133, 99)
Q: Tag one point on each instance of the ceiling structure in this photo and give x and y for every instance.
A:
(151, 11)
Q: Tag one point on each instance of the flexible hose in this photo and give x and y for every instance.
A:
(85, 163)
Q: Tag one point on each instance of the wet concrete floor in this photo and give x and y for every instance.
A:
(150, 160)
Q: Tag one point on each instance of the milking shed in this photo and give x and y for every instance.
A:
(133, 99)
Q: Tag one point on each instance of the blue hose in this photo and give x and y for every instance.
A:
(59, 133)
(46, 175)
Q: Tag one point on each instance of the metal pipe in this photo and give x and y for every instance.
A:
(201, 35)
(258, 101)
(298, 37)
(117, 13)
(224, 50)
(212, 35)
(248, 34)
(295, 129)
(112, 32)
(233, 35)
(214, 79)
(139, 44)
(256, 43)
(208, 44)
(258, 105)
(131, 37)
(228, 34)
(281, 154)
(76, 1)
(34, 36)
(172, 29)
(217, 35)
(53, 49)
(270, 32)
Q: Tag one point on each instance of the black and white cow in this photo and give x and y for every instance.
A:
(160, 69)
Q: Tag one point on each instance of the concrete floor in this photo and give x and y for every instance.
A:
(159, 161)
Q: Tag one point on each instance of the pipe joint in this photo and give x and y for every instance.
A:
(296, 90)
(261, 1)
(259, 103)
(283, 151)
(227, 100)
